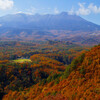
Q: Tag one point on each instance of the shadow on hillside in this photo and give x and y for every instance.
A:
(1, 95)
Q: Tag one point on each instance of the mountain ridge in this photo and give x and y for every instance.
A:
(48, 27)
(62, 21)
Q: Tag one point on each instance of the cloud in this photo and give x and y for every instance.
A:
(18, 12)
(91, 8)
(30, 11)
(6, 4)
(33, 10)
(56, 11)
(94, 8)
(71, 12)
(82, 10)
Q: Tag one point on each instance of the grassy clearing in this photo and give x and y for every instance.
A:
(22, 60)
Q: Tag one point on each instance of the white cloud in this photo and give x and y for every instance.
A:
(6, 4)
(33, 10)
(0, 25)
(30, 11)
(82, 10)
(19, 12)
(94, 8)
(91, 8)
(56, 11)
(71, 12)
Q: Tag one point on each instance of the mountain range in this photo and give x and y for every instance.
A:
(60, 26)
(62, 21)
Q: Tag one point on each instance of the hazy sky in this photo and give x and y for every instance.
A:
(88, 9)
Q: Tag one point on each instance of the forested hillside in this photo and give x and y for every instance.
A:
(53, 70)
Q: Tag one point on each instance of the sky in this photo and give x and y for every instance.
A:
(87, 9)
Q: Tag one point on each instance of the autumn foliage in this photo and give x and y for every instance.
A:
(79, 81)
(56, 71)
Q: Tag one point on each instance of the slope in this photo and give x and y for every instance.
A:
(81, 80)
(62, 21)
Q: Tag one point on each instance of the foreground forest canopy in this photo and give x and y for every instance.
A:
(49, 70)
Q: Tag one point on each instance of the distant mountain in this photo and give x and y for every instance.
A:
(62, 21)
(48, 27)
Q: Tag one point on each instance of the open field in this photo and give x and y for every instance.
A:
(21, 60)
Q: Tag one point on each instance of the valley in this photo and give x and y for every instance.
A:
(49, 57)
(48, 70)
